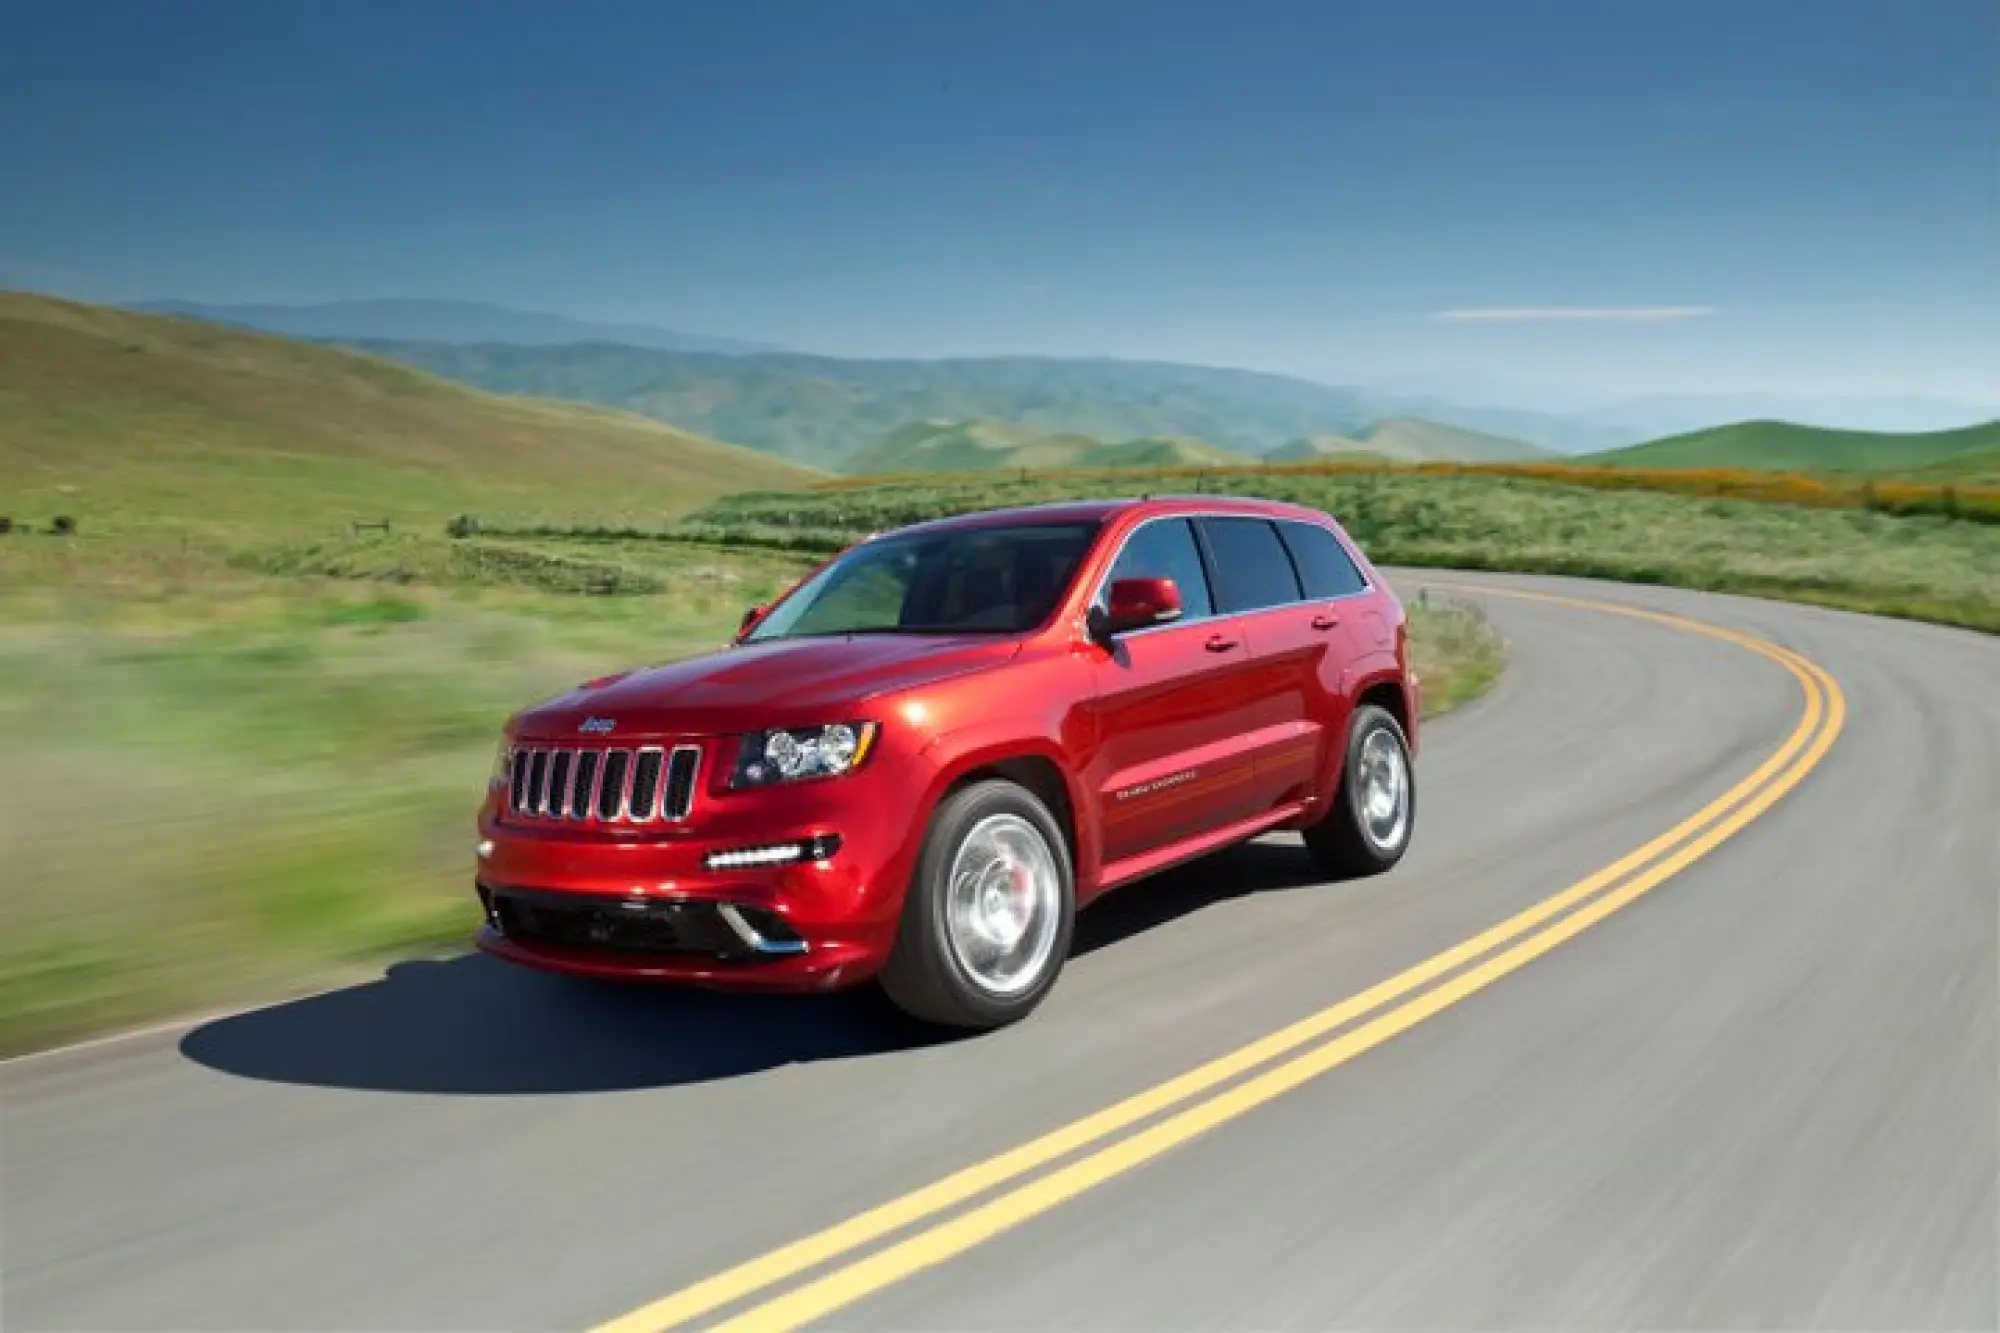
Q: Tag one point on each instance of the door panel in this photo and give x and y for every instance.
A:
(1179, 729)
(1304, 649)
(1176, 746)
(1256, 577)
(1329, 631)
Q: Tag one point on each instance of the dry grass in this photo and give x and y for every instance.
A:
(1454, 650)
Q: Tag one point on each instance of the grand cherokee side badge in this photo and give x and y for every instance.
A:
(597, 726)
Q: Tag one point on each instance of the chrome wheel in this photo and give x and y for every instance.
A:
(1382, 790)
(1002, 903)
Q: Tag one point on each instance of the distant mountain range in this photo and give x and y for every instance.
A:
(824, 410)
(444, 321)
(265, 430)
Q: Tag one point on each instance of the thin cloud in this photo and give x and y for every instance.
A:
(1636, 314)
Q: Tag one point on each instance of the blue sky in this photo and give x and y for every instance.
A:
(1790, 195)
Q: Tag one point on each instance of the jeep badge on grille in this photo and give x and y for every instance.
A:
(597, 726)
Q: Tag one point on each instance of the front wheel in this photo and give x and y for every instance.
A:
(1367, 826)
(987, 922)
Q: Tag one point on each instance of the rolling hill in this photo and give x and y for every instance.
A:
(1979, 467)
(822, 410)
(134, 420)
(1411, 440)
(970, 446)
(1784, 446)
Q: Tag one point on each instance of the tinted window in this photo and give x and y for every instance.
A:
(1324, 565)
(1251, 567)
(958, 581)
(1165, 549)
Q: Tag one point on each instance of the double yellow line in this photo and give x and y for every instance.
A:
(1208, 1096)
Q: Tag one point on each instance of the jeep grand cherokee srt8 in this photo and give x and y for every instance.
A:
(915, 766)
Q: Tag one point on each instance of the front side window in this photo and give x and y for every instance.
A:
(1252, 569)
(997, 580)
(1324, 565)
(1165, 549)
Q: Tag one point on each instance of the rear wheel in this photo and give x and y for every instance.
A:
(987, 921)
(1367, 826)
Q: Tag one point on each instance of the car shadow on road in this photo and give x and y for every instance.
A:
(475, 1026)
(1239, 872)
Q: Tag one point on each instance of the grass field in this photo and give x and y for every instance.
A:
(1924, 567)
(221, 782)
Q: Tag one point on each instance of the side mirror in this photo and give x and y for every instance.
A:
(1137, 604)
(749, 621)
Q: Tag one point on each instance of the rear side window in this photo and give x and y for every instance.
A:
(1324, 565)
(1252, 569)
(1165, 549)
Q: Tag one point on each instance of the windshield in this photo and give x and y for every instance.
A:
(997, 580)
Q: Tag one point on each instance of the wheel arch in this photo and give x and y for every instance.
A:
(1392, 692)
(1037, 768)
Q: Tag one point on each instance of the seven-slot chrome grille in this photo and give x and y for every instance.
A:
(631, 786)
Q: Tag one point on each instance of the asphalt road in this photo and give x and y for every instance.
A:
(1763, 1094)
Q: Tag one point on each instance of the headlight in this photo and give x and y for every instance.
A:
(765, 757)
(497, 779)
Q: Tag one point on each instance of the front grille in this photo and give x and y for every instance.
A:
(652, 784)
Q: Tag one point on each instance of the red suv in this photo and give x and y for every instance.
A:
(921, 761)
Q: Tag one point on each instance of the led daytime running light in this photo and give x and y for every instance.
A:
(818, 848)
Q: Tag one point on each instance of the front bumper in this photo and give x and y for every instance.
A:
(643, 904)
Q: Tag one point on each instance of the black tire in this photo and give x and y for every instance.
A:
(1343, 842)
(925, 976)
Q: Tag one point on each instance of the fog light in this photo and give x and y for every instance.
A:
(485, 848)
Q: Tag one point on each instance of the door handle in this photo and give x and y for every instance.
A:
(1325, 620)
(1220, 643)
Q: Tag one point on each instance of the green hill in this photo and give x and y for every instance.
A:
(971, 446)
(1784, 446)
(138, 420)
(1410, 440)
(1980, 467)
(1322, 449)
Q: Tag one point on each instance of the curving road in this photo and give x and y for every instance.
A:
(1761, 1092)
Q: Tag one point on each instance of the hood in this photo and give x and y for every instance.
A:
(787, 682)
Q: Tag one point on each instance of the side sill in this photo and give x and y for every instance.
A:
(1177, 853)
